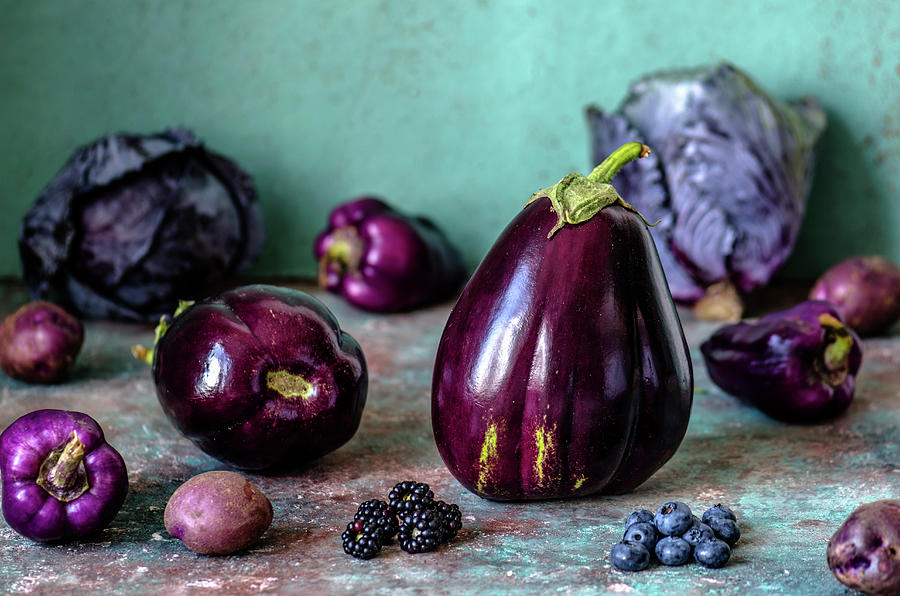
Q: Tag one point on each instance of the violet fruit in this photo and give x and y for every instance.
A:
(864, 552)
(796, 365)
(61, 479)
(260, 375)
(132, 223)
(381, 260)
(729, 179)
(563, 369)
(39, 343)
(866, 291)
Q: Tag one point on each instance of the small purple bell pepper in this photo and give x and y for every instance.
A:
(61, 479)
(259, 375)
(381, 260)
(796, 365)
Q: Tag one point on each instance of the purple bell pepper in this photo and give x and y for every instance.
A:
(796, 365)
(61, 479)
(381, 260)
(260, 375)
(563, 370)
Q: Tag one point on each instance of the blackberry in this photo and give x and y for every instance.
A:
(421, 530)
(377, 513)
(361, 540)
(451, 519)
(409, 495)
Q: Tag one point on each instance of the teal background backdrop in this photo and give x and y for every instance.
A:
(459, 110)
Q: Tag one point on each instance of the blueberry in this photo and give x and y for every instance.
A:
(630, 556)
(673, 550)
(712, 553)
(698, 533)
(673, 518)
(641, 515)
(726, 530)
(718, 511)
(642, 533)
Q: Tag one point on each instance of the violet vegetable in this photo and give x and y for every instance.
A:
(797, 365)
(61, 479)
(729, 179)
(218, 513)
(563, 369)
(39, 343)
(864, 553)
(132, 223)
(260, 375)
(381, 260)
(866, 290)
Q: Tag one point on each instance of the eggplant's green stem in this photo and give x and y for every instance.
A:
(618, 158)
(62, 473)
(577, 198)
(146, 354)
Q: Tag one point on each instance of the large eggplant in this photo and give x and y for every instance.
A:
(563, 369)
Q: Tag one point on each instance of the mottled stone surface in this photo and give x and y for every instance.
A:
(791, 487)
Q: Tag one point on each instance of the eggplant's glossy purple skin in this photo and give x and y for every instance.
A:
(730, 176)
(133, 223)
(214, 370)
(35, 513)
(776, 363)
(399, 262)
(39, 343)
(563, 369)
(866, 290)
(864, 553)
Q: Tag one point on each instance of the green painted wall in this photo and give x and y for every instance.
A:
(456, 109)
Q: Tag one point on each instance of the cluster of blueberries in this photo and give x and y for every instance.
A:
(674, 534)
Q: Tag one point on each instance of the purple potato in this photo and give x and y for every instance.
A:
(133, 223)
(39, 343)
(260, 375)
(563, 370)
(796, 365)
(864, 553)
(381, 260)
(866, 291)
(730, 177)
(61, 479)
(218, 513)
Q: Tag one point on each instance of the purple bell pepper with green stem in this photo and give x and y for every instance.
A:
(563, 370)
(260, 375)
(797, 365)
(61, 479)
(381, 260)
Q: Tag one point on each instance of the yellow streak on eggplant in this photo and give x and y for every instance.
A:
(543, 440)
(580, 481)
(488, 456)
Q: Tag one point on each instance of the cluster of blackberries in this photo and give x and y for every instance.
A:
(411, 514)
(673, 534)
